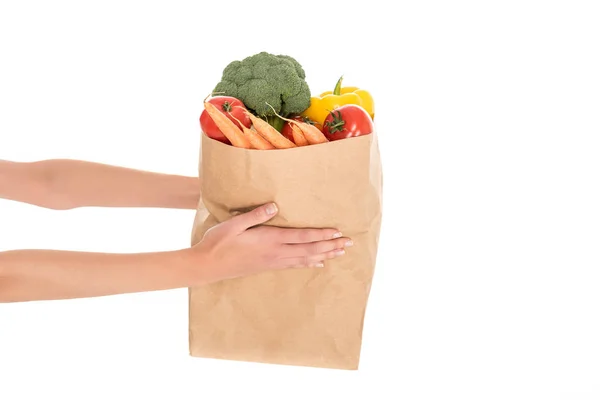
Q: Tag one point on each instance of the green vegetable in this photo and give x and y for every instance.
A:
(264, 80)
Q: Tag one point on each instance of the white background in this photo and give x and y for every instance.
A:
(487, 284)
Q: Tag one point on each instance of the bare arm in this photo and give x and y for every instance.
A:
(27, 275)
(67, 184)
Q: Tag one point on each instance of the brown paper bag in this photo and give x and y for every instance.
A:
(304, 317)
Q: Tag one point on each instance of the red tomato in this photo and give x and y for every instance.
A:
(226, 105)
(347, 121)
(287, 128)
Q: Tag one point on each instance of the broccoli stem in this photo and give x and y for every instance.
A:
(275, 122)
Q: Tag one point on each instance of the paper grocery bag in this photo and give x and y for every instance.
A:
(306, 316)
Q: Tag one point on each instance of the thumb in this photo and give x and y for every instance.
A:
(255, 217)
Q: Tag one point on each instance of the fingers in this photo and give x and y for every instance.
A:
(306, 235)
(309, 249)
(257, 216)
(313, 254)
(311, 261)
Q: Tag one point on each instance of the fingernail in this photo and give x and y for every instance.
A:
(349, 243)
(339, 252)
(318, 265)
(337, 235)
(271, 209)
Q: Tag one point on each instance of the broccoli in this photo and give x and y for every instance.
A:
(266, 80)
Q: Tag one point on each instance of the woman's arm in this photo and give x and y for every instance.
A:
(67, 184)
(27, 275)
(228, 250)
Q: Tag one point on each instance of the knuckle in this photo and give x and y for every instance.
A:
(304, 261)
(270, 257)
(304, 236)
(340, 243)
(259, 212)
(322, 247)
(316, 259)
(266, 232)
(315, 248)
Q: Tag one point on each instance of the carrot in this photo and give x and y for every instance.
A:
(256, 141)
(227, 126)
(299, 138)
(312, 134)
(269, 133)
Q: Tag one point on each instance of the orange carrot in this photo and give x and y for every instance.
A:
(269, 133)
(227, 126)
(299, 138)
(256, 141)
(312, 134)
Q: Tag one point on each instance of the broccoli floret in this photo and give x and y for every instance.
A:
(265, 80)
(257, 94)
(226, 87)
(295, 64)
(297, 103)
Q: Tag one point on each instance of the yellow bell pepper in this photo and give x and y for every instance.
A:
(328, 101)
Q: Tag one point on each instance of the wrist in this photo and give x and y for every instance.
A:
(183, 192)
(195, 265)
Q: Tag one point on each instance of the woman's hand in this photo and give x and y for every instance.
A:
(237, 247)
(234, 248)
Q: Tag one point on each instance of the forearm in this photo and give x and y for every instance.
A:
(27, 275)
(66, 184)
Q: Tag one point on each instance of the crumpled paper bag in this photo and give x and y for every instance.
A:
(304, 317)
